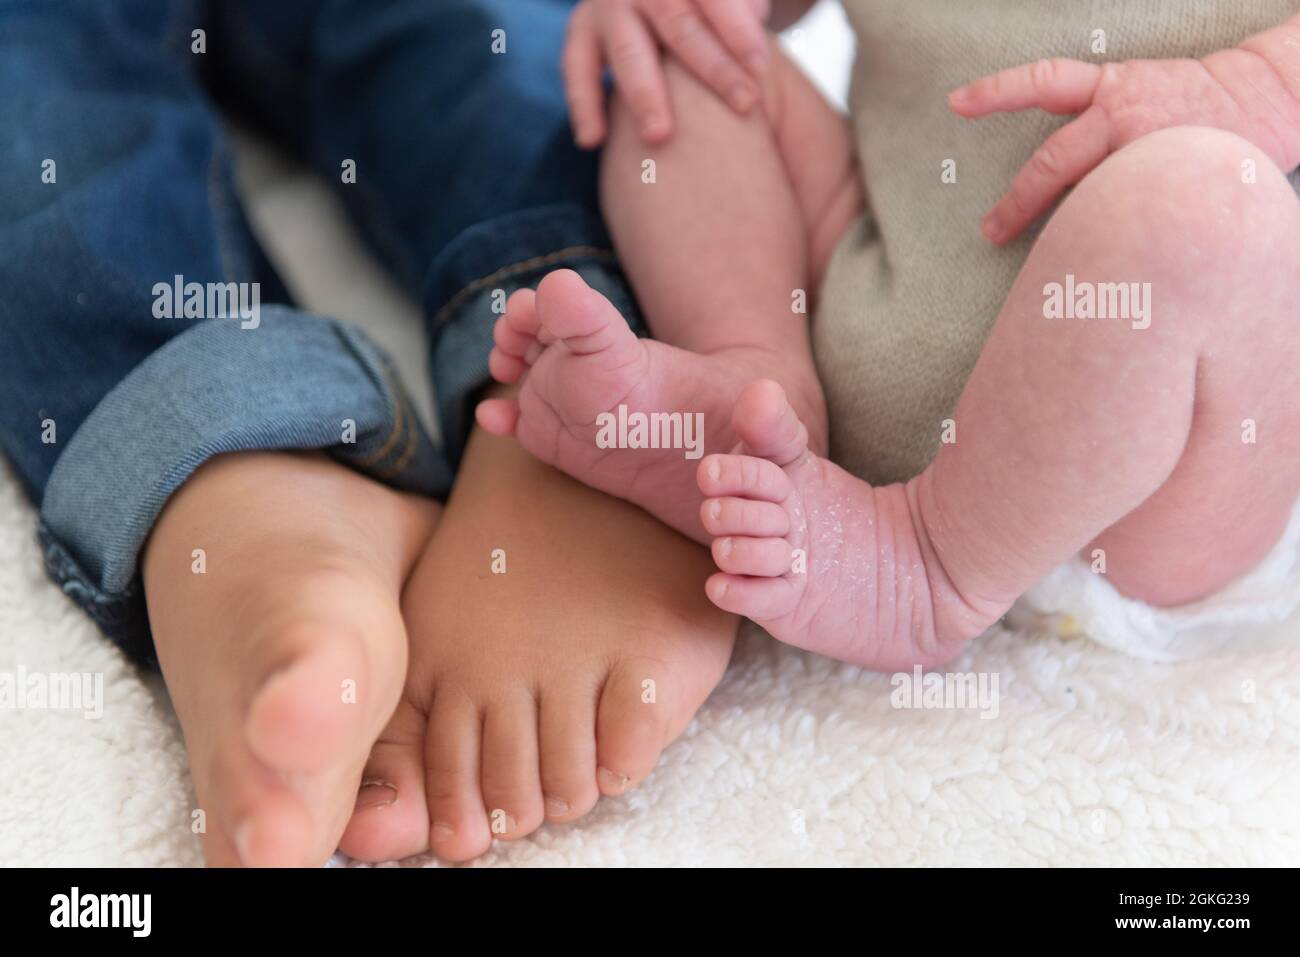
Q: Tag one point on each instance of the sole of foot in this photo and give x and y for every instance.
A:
(576, 360)
(273, 584)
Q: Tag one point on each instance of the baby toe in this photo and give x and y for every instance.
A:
(743, 475)
(498, 416)
(767, 424)
(510, 340)
(739, 555)
(740, 516)
(758, 599)
(504, 368)
(521, 312)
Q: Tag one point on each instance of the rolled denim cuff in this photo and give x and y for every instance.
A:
(490, 262)
(296, 381)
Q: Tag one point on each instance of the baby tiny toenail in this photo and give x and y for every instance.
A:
(715, 509)
(557, 808)
(715, 470)
(724, 547)
(376, 794)
(611, 781)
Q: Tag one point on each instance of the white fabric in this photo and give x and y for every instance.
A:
(1094, 758)
(1074, 599)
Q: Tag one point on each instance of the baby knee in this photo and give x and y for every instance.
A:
(1198, 221)
(1197, 183)
(1181, 205)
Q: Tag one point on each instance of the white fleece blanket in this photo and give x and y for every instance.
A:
(1092, 757)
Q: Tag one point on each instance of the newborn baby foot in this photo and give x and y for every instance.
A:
(588, 383)
(819, 558)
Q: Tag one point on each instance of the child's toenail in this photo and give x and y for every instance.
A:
(715, 509)
(442, 830)
(715, 470)
(376, 794)
(556, 808)
(609, 781)
(724, 547)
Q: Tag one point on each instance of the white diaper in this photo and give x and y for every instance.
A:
(1074, 600)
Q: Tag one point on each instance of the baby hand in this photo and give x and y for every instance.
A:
(712, 38)
(1236, 90)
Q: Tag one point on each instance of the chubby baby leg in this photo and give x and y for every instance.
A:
(1165, 429)
(1169, 434)
(743, 210)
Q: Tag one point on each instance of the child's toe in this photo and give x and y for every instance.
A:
(511, 782)
(631, 725)
(568, 753)
(276, 836)
(458, 827)
(251, 818)
(391, 818)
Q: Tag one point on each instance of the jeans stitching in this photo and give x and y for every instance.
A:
(399, 423)
(411, 440)
(514, 269)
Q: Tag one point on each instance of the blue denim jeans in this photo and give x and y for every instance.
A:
(117, 190)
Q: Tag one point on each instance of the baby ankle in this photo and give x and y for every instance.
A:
(961, 609)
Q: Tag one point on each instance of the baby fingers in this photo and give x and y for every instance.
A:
(1065, 157)
(1057, 86)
